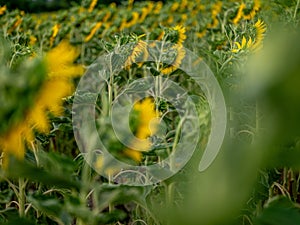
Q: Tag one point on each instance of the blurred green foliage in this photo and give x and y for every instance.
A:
(255, 179)
(27, 79)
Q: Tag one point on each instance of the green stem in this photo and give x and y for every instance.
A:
(170, 190)
(169, 193)
(22, 197)
(257, 118)
(35, 154)
(85, 178)
(109, 97)
(176, 139)
(110, 86)
(158, 81)
(296, 9)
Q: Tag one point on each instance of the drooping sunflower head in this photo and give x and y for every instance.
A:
(176, 35)
(260, 27)
(140, 49)
(176, 59)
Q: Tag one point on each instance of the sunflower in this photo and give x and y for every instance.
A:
(243, 45)
(160, 36)
(176, 62)
(32, 40)
(60, 68)
(180, 34)
(92, 5)
(134, 20)
(202, 33)
(255, 45)
(216, 9)
(106, 17)
(139, 48)
(255, 8)
(16, 24)
(148, 120)
(2, 9)
(93, 31)
(261, 28)
(55, 30)
(174, 6)
(145, 12)
(158, 7)
(239, 14)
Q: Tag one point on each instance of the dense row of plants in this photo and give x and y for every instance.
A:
(45, 179)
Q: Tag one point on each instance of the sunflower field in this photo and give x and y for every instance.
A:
(167, 112)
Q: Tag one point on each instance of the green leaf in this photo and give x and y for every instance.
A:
(74, 206)
(24, 82)
(119, 194)
(5, 195)
(23, 169)
(51, 206)
(278, 212)
(15, 221)
(58, 163)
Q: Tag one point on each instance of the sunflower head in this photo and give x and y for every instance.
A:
(59, 61)
(147, 121)
(176, 34)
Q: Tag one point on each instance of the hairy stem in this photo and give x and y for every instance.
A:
(22, 197)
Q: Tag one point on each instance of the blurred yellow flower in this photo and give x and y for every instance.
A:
(216, 9)
(92, 5)
(112, 5)
(32, 40)
(147, 113)
(145, 12)
(170, 19)
(160, 36)
(60, 68)
(134, 20)
(134, 154)
(106, 17)
(130, 4)
(184, 17)
(148, 120)
(255, 8)
(12, 142)
(93, 31)
(150, 6)
(60, 61)
(201, 34)
(158, 7)
(55, 30)
(183, 4)
(15, 25)
(174, 6)
(239, 14)
(2, 9)
(123, 24)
